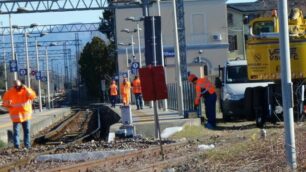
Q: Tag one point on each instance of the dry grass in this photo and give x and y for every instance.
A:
(242, 149)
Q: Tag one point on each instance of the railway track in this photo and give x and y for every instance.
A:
(139, 160)
(69, 132)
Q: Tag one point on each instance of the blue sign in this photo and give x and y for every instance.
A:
(38, 75)
(124, 74)
(44, 79)
(134, 67)
(13, 66)
(169, 53)
(22, 72)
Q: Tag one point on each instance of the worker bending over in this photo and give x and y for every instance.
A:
(204, 88)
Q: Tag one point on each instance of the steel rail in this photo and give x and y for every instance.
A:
(26, 160)
(119, 159)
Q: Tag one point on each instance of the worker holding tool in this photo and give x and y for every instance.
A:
(204, 88)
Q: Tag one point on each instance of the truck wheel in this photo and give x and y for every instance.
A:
(248, 104)
(226, 117)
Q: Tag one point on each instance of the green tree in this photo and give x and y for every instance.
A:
(95, 63)
(107, 22)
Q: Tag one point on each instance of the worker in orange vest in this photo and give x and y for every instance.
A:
(125, 89)
(204, 88)
(113, 92)
(18, 100)
(136, 84)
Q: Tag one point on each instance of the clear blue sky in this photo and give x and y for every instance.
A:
(63, 17)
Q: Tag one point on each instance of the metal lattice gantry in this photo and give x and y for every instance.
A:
(44, 43)
(182, 39)
(30, 6)
(54, 28)
(38, 6)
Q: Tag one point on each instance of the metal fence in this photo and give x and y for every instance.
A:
(188, 97)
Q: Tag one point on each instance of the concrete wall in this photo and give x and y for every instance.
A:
(203, 20)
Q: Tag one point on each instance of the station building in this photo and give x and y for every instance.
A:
(206, 35)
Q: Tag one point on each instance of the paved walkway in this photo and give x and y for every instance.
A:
(143, 120)
(39, 121)
(147, 114)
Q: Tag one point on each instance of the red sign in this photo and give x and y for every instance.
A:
(33, 72)
(153, 83)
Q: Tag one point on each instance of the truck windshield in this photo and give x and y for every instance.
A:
(261, 27)
(237, 74)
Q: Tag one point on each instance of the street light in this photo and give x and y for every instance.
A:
(137, 19)
(132, 39)
(48, 77)
(126, 52)
(12, 43)
(37, 65)
(27, 54)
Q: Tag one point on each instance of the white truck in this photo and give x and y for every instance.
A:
(234, 103)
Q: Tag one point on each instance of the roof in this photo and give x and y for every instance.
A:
(259, 5)
(263, 5)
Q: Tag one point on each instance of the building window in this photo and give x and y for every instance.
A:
(197, 23)
(232, 41)
(230, 19)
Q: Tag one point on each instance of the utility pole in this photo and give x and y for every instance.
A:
(12, 43)
(178, 63)
(165, 102)
(287, 85)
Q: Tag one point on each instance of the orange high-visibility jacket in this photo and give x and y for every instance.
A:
(19, 103)
(113, 90)
(125, 92)
(136, 86)
(203, 85)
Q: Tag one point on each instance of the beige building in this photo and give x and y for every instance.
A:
(205, 31)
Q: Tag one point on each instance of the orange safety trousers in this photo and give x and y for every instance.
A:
(125, 92)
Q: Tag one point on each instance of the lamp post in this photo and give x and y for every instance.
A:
(27, 59)
(12, 43)
(132, 39)
(126, 52)
(137, 19)
(37, 65)
(48, 77)
(4, 64)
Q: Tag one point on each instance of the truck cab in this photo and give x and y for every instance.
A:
(234, 84)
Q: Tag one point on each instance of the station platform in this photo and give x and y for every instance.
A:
(143, 120)
(40, 120)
